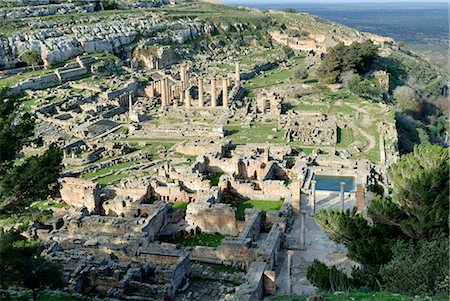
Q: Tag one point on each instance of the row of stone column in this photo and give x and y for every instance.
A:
(167, 95)
(313, 198)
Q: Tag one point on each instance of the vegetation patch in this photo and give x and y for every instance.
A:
(201, 239)
(259, 204)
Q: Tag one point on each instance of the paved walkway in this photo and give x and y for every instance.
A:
(318, 246)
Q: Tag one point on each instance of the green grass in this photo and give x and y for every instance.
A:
(274, 76)
(180, 205)
(345, 137)
(104, 171)
(189, 158)
(111, 179)
(14, 79)
(214, 178)
(260, 204)
(357, 296)
(257, 133)
(201, 239)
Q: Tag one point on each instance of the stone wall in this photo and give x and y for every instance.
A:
(271, 246)
(80, 193)
(253, 218)
(253, 288)
(212, 218)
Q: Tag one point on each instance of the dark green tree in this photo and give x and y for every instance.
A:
(417, 269)
(357, 57)
(31, 58)
(38, 273)
(14, 249)
(33, 180)
(15, 129)
(420, 189)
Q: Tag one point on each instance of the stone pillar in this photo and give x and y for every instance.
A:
(130, 103)
(289, 261)
(200, 92)
(183, 75)
(187, 98)
(295, 196)
(225, 93)
(213, 93)
(163, 93)
(266, 154)
(341, 196)
(181, 96)
(238, 73)
(186, 77)
(313, 197)
(302, 230)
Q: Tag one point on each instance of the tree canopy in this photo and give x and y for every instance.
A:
(416, 213)
(15, 129)
(356, 57)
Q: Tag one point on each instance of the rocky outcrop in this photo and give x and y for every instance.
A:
(57, 44)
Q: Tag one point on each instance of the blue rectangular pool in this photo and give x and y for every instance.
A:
(332, 183)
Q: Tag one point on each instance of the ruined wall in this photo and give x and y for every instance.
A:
(212, 218)
(80, 193)
(253, 287)
(252, 225)
(271, 246)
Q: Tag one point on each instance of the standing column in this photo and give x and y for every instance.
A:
(341, 195)
(238, 73)
(187, 98)
(186, 77)
(182, 75)
(168, 92)
(130, 104)
(302, 230)
(200, 92)
(225, 94)
(181, 96)
(213, 93)
(313, 197)
(289, 286)
(163, 93)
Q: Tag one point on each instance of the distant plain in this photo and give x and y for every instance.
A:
(423, 27)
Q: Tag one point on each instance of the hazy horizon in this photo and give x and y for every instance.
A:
(240, 2)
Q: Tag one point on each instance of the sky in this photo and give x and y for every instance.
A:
(242, 2)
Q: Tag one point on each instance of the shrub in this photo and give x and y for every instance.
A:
(300, 73)
(418, 269)
(31, 58)
(357, 57)
(362, 87)
(407, 100)
(328, 279)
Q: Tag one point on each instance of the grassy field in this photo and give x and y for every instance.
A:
(214, 178)
(103, 171)
(180, 205)
(201, 239)
(260, 204)
(275, 76)
(257, 133)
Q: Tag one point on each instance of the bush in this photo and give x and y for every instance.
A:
(31, 58)
(362, 87)
(407, 100)
(418, 269)
(300, 73)
(357, 57)
(328, 279)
